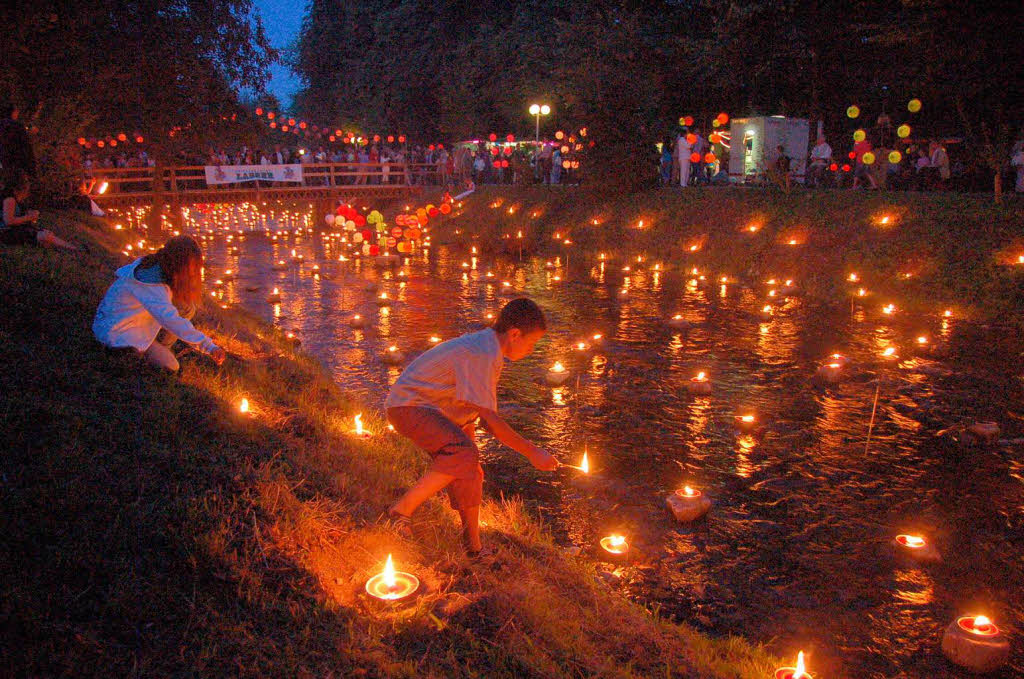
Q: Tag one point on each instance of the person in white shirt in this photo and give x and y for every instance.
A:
(821, 156)
(149, 305)
(437, 401)
(683, 151)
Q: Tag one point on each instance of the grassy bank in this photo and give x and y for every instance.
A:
(150, 529)
(957, 249)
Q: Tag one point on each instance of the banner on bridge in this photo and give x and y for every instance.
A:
(238, 174)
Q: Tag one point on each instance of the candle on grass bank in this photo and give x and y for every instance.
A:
(798, 672)
(392, 585)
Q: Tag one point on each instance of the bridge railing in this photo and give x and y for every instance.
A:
(185, 179)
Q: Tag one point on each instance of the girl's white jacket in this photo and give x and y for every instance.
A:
(132, 313)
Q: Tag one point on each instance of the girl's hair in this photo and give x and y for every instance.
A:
(175, 258)
(520, 313)
(14, 181)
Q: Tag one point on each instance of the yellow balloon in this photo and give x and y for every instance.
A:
(869, 158)
(859, 135)
(903, 131)
(895, 157)
(914, 105)
(852, 112)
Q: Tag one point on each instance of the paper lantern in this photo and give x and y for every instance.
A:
(357, 237)
(868, 158)
(688, 120)
(504, 163)
(422, 220)
(496, 164)
(859, 135)
(359, 220)
(259, 111)
(401, 139)
(329, 218)
(566, 164)
(694, 157)
(709, 158)
(895, 157)
(846, 168)
(270, 115)
(122, 137)
(492, 137)
(833, 167)
(691, 139)
(421, 215)
(391, 139)
(367, 234)
(113, 142)
(376, 138)
(914, 105)
(403, 248)
(375, 217)
(374, 250)
(852, 112)
(714, 138)
(431, 147)
(392, 242)
(139, 139)
(350, 225)
(302, 125)
(413, 233)
(564, 149)
(722, 118)
(100, 143)
(510, 138)
(495, 150)
(433, 212)
(903, 131)
(508, 150)
(396, 231)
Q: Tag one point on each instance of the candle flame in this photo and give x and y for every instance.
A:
(243, 407)
(276, 292)
(617, 541)
(558, 367)
(103, 188)
(889, 351)
(853, 278)
(885, 220)
(688, 491)
(359, 424)
(392, 348)
(356, 317)
(800, 668)
(585, 464)
(388, 574)
(915, 541)
(597, 336)
(747, 418)
(947, 313)
(981, 621)
(922, 340)
(701, 376)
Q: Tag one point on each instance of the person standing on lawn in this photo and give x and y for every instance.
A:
(437, 401)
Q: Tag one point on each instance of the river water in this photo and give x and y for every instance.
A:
(797, 551)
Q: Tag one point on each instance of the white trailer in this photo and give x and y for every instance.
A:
(754, 142)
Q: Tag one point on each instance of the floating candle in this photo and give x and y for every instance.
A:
(357, 321)
(678, 322)
(383, 299)
(700, 384)
(889, 309)
(274, 297)
(393, 355)
(831, 372)
(358, 430)
(280, 265)
(585, 464)
(745, 422)
(557, 374)
(975, 642)
(917, 548)
(798, 672)
(392, 585)
(243, 406)
(688, 504)
(434, 339)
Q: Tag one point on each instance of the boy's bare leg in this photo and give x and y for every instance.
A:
(471, 527)
(429, 484)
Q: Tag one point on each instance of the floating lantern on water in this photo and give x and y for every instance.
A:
(862, 292)
(356, 321)
(831, 371)
(506, 289)
(622, 293)
(292, 337)
(358, 430)
(981, 433)
(917, 548)
(228, 275)
(597, 338)
(218, 283)
(700, 384)
(243, 406)
(615, 546)
(581, 347)
(434, 339)
(889, 352)
(679, 323)
(549, 264)
(889, 309)
(853, 278)
(768, 311)
(557, 375)
(688, 504)
(274, 297)
(393, 355)
(383, 299)
(788, 287)
(280, 265)
(392, 585)
(316, 269)
(798, 672)
(745, 422)
(976, 643)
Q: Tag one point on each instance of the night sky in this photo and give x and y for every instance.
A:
(282, 20)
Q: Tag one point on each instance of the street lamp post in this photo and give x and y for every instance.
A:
(538, 111)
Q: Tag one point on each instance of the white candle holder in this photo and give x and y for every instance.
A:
(688, 504)
(975, 643)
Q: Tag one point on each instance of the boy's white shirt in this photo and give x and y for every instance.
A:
(132, 314)
(461, 371)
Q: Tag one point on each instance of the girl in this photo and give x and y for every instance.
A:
(149, 305)
(19, 224)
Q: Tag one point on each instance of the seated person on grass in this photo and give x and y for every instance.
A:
(149, 305)
(437, 400)
(19, 225)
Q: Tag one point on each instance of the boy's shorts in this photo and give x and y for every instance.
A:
(451, 448)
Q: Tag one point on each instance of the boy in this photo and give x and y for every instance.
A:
(436, 402)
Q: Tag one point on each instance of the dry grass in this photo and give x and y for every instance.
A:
(152, 530)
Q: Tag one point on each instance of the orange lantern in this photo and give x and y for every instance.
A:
(709, 158)
(694, 157)
(122, 137)
(445, 208)
(259, 111)
(722, 118)
(691, 139)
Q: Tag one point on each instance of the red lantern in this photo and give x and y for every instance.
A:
(284, 128)
(391, 139)
(396, 231)
(100, 144)
(691, 139)
(259, 111)
(496, 164)
(358, 219)
(495, 150)
(122, 137)
(81, 141)
(374, 250)
(846, 168)
(833, 167)
(433, 212)
(510, 138)
(139, 139)
(270, 115)
(508, 150)
(421, 220)
(401, 139)
(376, 138)
(431, 147)
(291, 121)
(694, 157)
(445, 208)
(330, 138)
(392, 242)
(492, 137)
(366, 234)
(714, 138)
(440, 147)
(852, 155)
(504, 163)
(709, 158)
(722, 118)
(413, 233)
(302, 125)
(688, 120)
(273, 125)
(113, 142)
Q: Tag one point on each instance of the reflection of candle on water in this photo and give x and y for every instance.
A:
(798, 672)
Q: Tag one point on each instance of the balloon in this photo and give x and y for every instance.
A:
(859, 135)
(433, 212)
(329, 218)
(694, 157)
(914, 105)
(895, 157)
(903, 131)
(357, 237)
(374, 250)
(709, 158)
(445, 208)
(868, 158)
(691, 139)
(852, 112)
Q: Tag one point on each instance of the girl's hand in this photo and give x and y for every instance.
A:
(32, 215)
(544, 461)
(218, 355)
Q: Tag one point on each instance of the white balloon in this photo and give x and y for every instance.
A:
(329, 218)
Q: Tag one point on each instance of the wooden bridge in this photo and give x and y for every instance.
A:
(321, 182)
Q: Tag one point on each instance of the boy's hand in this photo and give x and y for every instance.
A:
(544, 461)
(218, 355)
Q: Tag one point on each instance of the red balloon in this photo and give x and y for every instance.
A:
(433, 212)
(374, 250)
(510, 138)
(445, 208)
(495, 150)
(694, 157)
(359, 220)
(492, 137)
